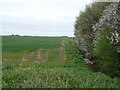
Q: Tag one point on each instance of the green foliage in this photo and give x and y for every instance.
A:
(106, 53)
(105, 57)
(85, 21)
(38, 77)
(73, 56)
(54, 72)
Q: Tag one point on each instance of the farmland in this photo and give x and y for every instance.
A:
(47, 62)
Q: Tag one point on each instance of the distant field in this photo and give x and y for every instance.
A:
(31, 50)
(48, 62)
(28, 43)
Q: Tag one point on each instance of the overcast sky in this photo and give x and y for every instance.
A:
(40, 17)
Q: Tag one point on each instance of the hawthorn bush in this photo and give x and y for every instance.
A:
(97, 34)
(106, 54)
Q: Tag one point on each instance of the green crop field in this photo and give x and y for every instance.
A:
(47, 62)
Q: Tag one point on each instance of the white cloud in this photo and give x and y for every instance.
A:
(40, 14)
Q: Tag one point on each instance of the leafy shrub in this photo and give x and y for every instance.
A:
(7, 67)
(96, 43)
(106, 53)
(83, 26)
